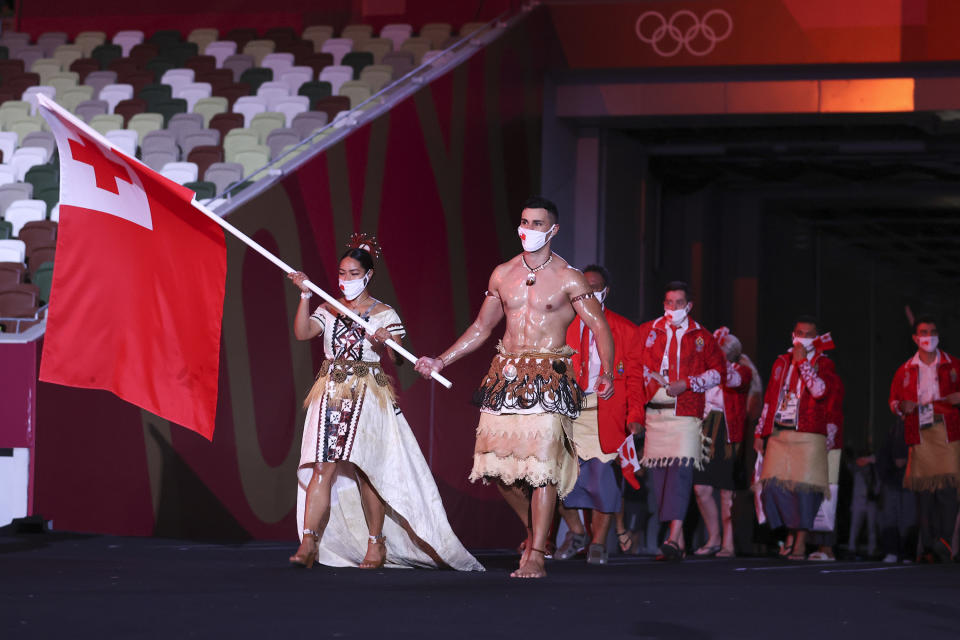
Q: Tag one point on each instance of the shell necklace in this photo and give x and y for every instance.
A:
(532, 276)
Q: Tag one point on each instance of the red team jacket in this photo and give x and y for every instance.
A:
(835, 414)
(699, 354)
(813, 405)
(735, 400)
(612, 413)
(904, 387)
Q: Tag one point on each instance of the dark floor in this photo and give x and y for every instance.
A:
(72, 586)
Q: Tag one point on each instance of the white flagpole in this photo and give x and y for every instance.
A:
(247, 240)
(250, 242)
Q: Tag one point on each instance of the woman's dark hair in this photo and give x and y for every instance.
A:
(360, 255)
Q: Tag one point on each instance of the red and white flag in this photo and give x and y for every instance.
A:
(137, 299)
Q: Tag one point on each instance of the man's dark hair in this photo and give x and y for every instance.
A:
(539, 202)
(806, 319)
(678, 285)
(598, 269)
(923, 319)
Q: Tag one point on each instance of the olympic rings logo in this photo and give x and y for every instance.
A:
(684, 30)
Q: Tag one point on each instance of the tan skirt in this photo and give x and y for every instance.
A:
(796, 461)
(586, 433)
(533, 448)
(671, 439)
(934, 463)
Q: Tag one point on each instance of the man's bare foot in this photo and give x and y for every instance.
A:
(376, 553)
(532, 567)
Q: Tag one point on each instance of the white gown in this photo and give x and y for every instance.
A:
(352, 416)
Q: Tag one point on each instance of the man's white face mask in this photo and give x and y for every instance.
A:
(532, 239)
(806, 342)
(353, 288)
(600, 295)
(928, 343)
(677, 316)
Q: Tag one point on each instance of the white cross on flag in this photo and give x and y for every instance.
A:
(138, 283)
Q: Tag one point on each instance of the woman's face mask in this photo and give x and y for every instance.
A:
(353, 288)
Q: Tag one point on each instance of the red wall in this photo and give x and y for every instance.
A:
(439, 179)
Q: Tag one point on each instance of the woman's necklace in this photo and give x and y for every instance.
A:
(532, 277)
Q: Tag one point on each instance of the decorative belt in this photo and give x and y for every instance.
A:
(660, 406)
(782, 427)
(937, 420)
(339, 370)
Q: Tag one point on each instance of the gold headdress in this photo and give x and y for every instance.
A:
(367, 242)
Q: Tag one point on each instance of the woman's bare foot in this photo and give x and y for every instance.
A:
(531, 567)
(306, 555)
(376, 553)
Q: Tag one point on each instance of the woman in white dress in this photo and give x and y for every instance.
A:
(366, 497)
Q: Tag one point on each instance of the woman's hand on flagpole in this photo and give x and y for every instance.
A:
(298, 278)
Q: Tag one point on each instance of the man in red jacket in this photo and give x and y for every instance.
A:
(925, 393)
(673, 362)
(792, 436)
(724, 418)
(598, 431)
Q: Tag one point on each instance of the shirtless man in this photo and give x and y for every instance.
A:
(530, 395)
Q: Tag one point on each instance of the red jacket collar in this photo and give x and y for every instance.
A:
(660, 324)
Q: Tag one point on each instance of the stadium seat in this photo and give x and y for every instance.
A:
(50, 40)
(290, 106)
(400, 61)
(10, 193)
(38, 232)
(169, 108)
(225, 122)
(21, 212)
(114, 93)
(437, 33)
(315, 90)
(203, 190)
(26, 157)
(89, 40)
(241, 35)
(158, 159)
(198, 138)
(159, 66)
(317, 34)
(264, 123)
(8, 174)
(232, 92)
(130, 108)
(38, 178)
(221, 50)
(249, 106)
(357, 60)
(142, 53)
(336, 76)
(296, 77)
(164, 38)
(87, 109)
(203, 37)
(181, 52)
(209, 107)
(306, 123)
(30, 95)
(43, 139)
(258, 49)
(11, 273)
(106, 53)
(8, 143)
(45, 67)
(100, 79)
(280, 34)
(180, 172)
(144, 123)
(159, 140)
(357, 90)
(50, 196)
(14, 40)
(237, 140)
(277, 62)
(417, 46)
(63, 81)
(201, 64)
(272, 90)
(124, 139)
(12, 250)
(337, 47)
(317, 62)
(255, 76)
(204, 156)
(84, 67)
(29, 55)
(126, 40)
(332, 106)
(178, 78)
(278, 139)
(154, 93)
(74, 97)
(377, 76)
(13, 110)
(38, 255)
(358, 33)
(252, 159)
(396, 33)
(377, 47)
(42, 278)
(194, 92)
(27, 124)
(183, 123)
(19, 301)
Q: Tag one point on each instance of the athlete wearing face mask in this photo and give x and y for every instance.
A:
(532, 239)
(925, 393)
(353, 288)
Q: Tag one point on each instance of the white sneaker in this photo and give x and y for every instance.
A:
(890, 558)
(820, 556)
